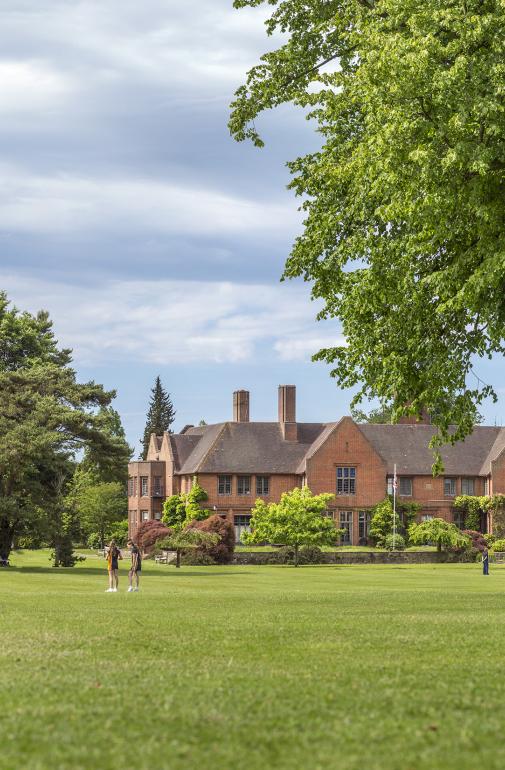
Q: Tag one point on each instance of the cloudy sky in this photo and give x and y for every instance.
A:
(126, 210)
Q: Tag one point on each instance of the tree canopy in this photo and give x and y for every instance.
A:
(298, 519)
(160, 416)
(438, 531)
(46, 418)
(405, 211)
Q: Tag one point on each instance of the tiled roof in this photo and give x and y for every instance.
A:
(258, 447)
(407, 446)
(246, 447)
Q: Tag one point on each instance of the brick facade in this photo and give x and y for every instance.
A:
(289, 454)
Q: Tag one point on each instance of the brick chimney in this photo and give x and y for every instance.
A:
(287, 412)
(241, 406)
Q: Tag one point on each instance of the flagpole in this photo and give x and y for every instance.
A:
(394, 508)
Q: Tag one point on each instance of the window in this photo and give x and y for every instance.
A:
(130, 486)
(224, 485)
(467, 487)
(459, 519)
(133, 517)
(346, 525)
(346, 481)
(262, 485)
(143, 486)
(405, 486)
(449, 487)
(157, 488)
(389, 482)
(364, 518)
(242, 523)
(157, 515)
(244, 485)
(486, 485)
(144, 515)
(426, 517)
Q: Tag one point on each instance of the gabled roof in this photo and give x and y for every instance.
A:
(259, 447)
(407, 446)
(242, 447)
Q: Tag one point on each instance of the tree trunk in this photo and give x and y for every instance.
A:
(6, 537)
(439, 545)
(296, 555)
(178, 559)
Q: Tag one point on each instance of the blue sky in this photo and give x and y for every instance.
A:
(154, 240)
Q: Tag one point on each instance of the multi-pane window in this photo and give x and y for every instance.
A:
(389, 481)
(144, 486)
(157, 489)
(459, 519)
(157, 515)
(364, 518)
(467, 487)
(426, 517)
(144, 515)
(262, 485)
(405, 486)
(130, 486)
(224, 485)
(486, 485)
(449, 487)
(346, 525)
(242, 523)
(244, 485)
(346, 481)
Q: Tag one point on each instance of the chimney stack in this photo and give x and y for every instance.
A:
(241, 406)
(287, 412)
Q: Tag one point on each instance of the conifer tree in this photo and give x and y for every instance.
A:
(160, 416)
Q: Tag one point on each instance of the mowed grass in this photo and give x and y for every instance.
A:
(355, 667)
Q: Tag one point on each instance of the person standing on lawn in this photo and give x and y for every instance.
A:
(485, 562)
(113, 556)
(136, 567)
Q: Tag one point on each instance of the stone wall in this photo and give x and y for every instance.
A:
(363, 557)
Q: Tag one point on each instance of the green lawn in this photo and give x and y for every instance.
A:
(231, 668)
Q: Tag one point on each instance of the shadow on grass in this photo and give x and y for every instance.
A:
(122, 574)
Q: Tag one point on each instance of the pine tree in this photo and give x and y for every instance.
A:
(160, 416)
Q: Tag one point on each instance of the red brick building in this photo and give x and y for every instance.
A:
(239, 461)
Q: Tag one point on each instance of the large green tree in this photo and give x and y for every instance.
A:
(404, 200)
(297, 519)
(160, 416)
(46, 419)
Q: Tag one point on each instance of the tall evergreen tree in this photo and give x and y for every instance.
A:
(46, 418)
(160, 416)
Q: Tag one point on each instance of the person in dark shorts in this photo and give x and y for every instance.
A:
(136, 567)
(485, 562)
(113, 556)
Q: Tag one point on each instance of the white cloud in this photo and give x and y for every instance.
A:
(176, 321)
(64, 203)
(303, 347)
(31, 86)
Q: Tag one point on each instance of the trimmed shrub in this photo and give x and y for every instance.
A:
(149, 532)
(222, 552)
(196, 559)
(499, 545)
(310, 554)
(284, 555)
(396, 543)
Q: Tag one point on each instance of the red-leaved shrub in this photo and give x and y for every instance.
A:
(478, 539)
(222, 552)
(149, 532)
